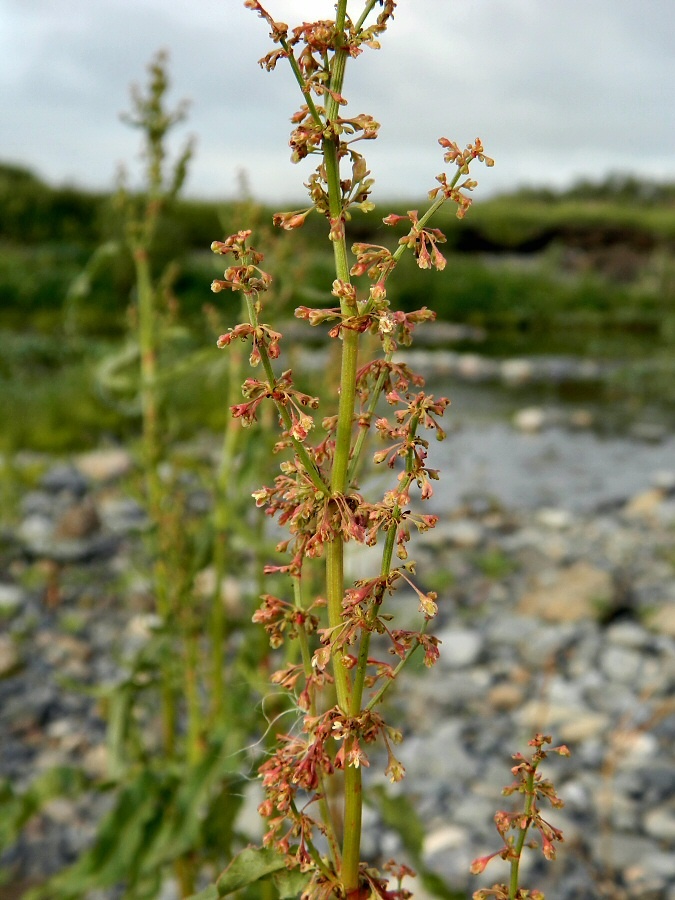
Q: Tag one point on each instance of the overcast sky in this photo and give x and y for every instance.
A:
(557, 89)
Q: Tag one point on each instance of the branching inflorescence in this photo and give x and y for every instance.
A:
(315, 497)
(513, 827)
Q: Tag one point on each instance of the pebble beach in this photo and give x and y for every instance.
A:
(556, 614)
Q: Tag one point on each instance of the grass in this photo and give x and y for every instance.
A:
(563, 299)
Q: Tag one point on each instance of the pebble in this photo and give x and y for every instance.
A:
(104, 465)
(530, 419)
(461, 647)
(12, 598)
(10, 660)
(575, 635)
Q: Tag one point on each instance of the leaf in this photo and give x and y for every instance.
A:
(290, 883)
(209, 893)
(17, 808)
(249, 866)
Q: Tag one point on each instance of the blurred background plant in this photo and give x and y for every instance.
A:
(180, 719)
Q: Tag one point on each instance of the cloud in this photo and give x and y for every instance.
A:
(557, 90)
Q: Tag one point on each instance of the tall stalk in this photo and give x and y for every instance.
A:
(315, 495)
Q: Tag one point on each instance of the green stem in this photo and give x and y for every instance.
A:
(147, 327)
(351, 847)
(192, 701)
(306, 655)
(522, 835)
(220, 707)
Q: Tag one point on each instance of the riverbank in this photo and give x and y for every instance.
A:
(557, 613)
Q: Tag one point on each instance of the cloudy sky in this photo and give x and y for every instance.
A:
(557, 89)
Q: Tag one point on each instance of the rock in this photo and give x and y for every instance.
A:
(649, 432)
(659, 822)
(12, 598)
(621, 664)
(122, 515)
(570, 723)
(644, 505)
(634, 749)
(104, 465)
(580, 591)
(663, 619)
(463, 533)
(506, 696)
(555, 518)
(460, 647)
(78, 521)
(516, 371)
(10, 661)
(64, 477)
(581, 419)
(444, 838)
(35, 530)
(664, 480)
(472, 367)
(629, 634)
(530, 420)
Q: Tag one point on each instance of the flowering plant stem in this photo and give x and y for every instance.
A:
(316, 495)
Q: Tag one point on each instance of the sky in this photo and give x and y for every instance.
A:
(558, 90)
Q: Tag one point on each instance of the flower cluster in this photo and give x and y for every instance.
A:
(529, 782)
(451, 190)
(316, 497)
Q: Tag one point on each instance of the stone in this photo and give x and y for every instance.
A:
(104, 465)
(10, 661)
(659, 822)
(460, 647)
(644, 505)
(506, 696)
(443, 838)
(464, 533)
(664, 480)
(516, 371)
(662, 619)
(581, 419)
(571, 723)
(530, 420)
(621, 664)
(77, 521)
(64, 477)
(122, 515)
(580, 591)
(555, 518)
(12, 598)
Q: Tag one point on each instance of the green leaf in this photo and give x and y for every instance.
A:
(209, 893)
(290, 883)
(17, 808)
(249, 866)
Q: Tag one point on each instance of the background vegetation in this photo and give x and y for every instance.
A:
(587, 271)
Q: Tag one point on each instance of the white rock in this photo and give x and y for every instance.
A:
(516, 371)
(444, 838)
(663, 480)
(460, 647)
(104, 465)
(555, 518)
(11, 598)
(660, 823)
(530, 419)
